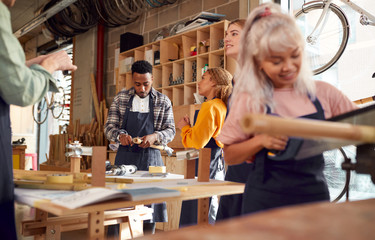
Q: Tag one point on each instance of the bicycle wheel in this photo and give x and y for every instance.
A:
(40, 111)
(337, 179)
(329, 40)
(58, 103)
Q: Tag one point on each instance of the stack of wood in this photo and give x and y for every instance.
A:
(87, 134)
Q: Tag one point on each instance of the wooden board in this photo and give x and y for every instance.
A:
(319, 221)
(187, 193)
(19, 156)
(178, 113)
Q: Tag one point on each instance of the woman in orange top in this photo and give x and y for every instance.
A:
(216, 87)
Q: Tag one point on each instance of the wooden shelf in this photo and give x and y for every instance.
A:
(177, 66)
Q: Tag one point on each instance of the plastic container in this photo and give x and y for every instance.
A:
(34, 159)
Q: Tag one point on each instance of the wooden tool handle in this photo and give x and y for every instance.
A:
(137, 140)
(307, 128)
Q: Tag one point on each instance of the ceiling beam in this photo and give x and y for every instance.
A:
(41, 18)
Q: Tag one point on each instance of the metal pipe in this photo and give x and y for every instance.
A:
(189, 154)
(99, 61)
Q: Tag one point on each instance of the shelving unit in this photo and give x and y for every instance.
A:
(178, 72)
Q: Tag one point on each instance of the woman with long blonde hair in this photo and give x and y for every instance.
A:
(274, 78)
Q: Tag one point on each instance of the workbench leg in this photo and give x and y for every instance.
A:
(190, 169)
(75, 164)
(131, 228)
(204, 176)
(136, 226)
(53, 232)
(203, 207)
(124, 230)
(204, 165)
(40, 237)
(96, 225)
(42, 217)
(174, 213)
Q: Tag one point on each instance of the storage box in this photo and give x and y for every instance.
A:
(129, 41)
(149, 56)
(126, 65)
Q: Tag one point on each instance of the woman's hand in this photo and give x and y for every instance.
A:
(273, 142)
(183, 122)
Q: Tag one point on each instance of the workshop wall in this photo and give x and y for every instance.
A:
(85, 59)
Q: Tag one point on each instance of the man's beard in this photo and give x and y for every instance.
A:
(142, 94)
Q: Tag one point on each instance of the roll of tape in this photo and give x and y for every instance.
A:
(60, 178)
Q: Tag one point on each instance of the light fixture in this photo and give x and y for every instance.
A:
(36, 21)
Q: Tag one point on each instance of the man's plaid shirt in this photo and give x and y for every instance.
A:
(163, 116)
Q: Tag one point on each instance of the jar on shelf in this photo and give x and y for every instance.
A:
(204, 46)
(193, 50)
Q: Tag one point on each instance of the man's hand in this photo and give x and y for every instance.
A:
(36, 60)
(125, 139)
(148, 140)
(57, 61)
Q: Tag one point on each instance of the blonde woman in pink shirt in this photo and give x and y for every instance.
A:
(274, 78)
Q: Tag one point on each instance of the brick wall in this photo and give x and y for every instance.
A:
(157, 19)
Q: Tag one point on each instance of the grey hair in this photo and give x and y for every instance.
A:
(262, 34)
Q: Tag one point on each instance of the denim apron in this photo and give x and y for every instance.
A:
(189, 208)
(137, 125)
(273, 183)
(7, 215)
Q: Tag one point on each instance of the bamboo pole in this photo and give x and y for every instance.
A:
(307, 128)
(95, 97)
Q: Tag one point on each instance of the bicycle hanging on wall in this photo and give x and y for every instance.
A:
(51, 101)
(326, 30)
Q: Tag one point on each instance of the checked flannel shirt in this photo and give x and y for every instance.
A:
(163, 116)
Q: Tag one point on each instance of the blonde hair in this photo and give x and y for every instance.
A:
(268, 29)
(239, 22)
(223, 80)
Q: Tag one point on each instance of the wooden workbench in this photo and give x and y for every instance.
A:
(190, 188)
(318, 221)
(197, 190)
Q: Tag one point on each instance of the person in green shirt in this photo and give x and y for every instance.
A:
(22, 83)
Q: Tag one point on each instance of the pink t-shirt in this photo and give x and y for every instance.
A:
(287, 104)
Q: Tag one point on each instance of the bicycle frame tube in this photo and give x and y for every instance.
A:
(360, 10)
(311, 38)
